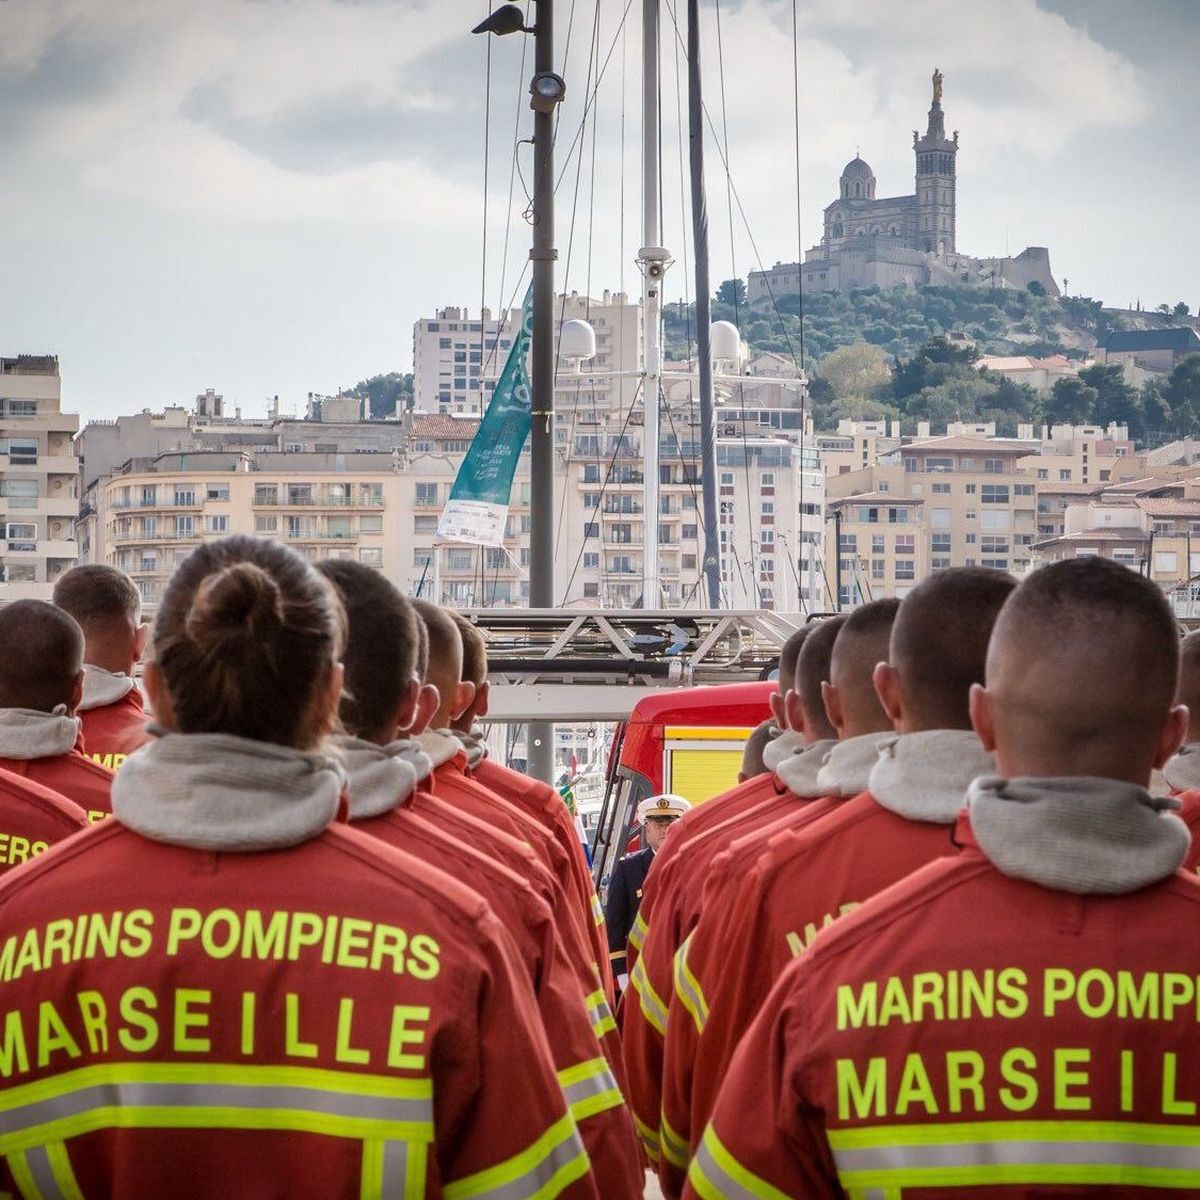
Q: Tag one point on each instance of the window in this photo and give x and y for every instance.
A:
(939, 518)
(878, 568)
(1043, 473)
(591, 499)
(939, 562)
(1166, 562)
(185, 498)
(998, 564)
(877, 543)
(591, 560)
(266, 525)
(591, 530)
(591, 591)
(371, 523)
(905, 569)
(994, 493)
(767, 537)
(688, 561)
(20, 451)
(768, 508)
(20, 493)
(149, 496)
(218, 524)
(21, 536)
(427, 495)
(183, 527)
(299, 493)
(1022, 489)
(936, 464)
(941, 489)
(993, 545)
(994, 520)
(940, 543)
(689, 532)
(425, 524)
(906, 544)
(848, 543)
(1065, 475)
(993, 466)
(266, 493)
(149, 527)
(217, 491)
(371, 555)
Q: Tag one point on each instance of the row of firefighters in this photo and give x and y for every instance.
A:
(301, 936)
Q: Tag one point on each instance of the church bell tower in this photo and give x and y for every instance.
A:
(935, 154)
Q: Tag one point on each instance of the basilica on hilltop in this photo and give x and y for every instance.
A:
(901, 241)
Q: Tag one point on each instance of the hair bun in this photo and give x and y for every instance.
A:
(241, 600)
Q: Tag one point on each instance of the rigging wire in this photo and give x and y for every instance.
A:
(755, 541)
(803, 605)
(487, 149)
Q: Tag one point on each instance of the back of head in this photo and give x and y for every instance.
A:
(1189, 682)
(445, 665)
(1082, 672)
(380, 658)
(102, 599)
(474, 650)
(813, 669)
(787, 673)
(939, 644)
(756, 744)
(861, 642)
(245, 640)
(41, 656)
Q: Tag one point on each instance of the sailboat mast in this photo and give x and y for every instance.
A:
(652, 260)
(708, 446)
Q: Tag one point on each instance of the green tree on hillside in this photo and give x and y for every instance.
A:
(1115, 399)
(386, 393)
(732, 293)
(857, 370)
(1071, 402)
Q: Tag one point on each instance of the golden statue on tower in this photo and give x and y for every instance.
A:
(937, 86)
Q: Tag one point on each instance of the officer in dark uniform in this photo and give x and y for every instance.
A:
(656, 814)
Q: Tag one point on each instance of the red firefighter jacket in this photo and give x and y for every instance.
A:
(543, 804)
(696, 966)
(494, 843)
(114, 731)
(1190, 815)
(968, 1033)
(336, 1018)
(805, 880)
(73, 775)
(32, 818)
(644, 1012)
(578, 1023)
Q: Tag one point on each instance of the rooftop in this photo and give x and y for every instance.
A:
(444, 426)
(1180, 338)
(875, 498)
(30, 364)
(1106, 534)
(981, 445)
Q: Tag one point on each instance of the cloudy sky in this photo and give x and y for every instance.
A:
(261, 196)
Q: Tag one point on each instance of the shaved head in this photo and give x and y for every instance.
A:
(1189, 682)
(445, 663)
(475, 660)
(850, 698)
(752, 755)
(787, 672)
(812, 670)
(41, 656)
(939, 645)
(1081, 675)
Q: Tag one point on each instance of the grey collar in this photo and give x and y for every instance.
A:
(380, 777)
(799, 771)
(475, 745)
(1182, 769)
(216, 792)
(925, 776)
(441, 745)
(102, 687)
(26, 733)
(783, 744)
(1079, 834)
(846, 770)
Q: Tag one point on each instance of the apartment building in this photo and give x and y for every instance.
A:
(882, 547)
(457, 357)
(978, 508)
(39, 478)
(383, 507)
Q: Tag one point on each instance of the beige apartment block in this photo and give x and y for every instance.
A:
(39, 478)
(383, 508)
(882, 547)
(1081, 454)
(977, 507)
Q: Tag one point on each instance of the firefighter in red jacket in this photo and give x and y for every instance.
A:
(539, 800)
(32, 819)
(384, 769)
(41, 683)
(108, 608)
(253, 999)
(807, 878)
(1018, 1019)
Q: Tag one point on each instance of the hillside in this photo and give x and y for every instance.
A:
(1001, 321)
